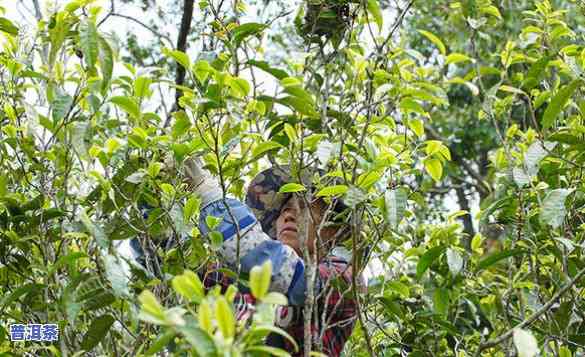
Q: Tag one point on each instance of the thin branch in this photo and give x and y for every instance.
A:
(112, 11)
(496, 341)
(182, 46)
(38, 13)
(394, 28)
(156, 33)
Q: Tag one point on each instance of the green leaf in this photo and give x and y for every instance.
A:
(264, 330)
(240, 33)
(399, 288)
(395, 204)
(136, 177)
(417, 126)
(292, 187)
(409, 105)
(181, 57)
(427, 259)
(95, 231)
(151, 310)
(204, 317)
(191, 207)
(161, 342)
(290, 131)
(491, 10)
(199, 340)
(73, 5)
(354, 196)
(275, 299)
(511, 89)
(300, 93)
(535, 73)
(189, 286)
(368, 179)
(553, 209)
(88, 41)
(272, 351)
(435, 40)
(168, 190)
(78, 132)
(496, 257)
(260, 279)
(225, 317)
(457, 58)
(435, 168)
(441, 301)
(8, 27)
(18, 292)
(240, 87)
(182, 124)
(180, 150)
(212, 221)
(558, 102)
(202, 70)
(300, 105)
(277, 73)
(374, 10)
(128, 105)
(66, 260)
(118, 274)
(106, 62)
(96, 332)
(142, 87)
(216, 239)
(60, 106)
(334, 190)
(565, 352)
(265, 147)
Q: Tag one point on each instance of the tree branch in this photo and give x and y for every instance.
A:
(496, 341)
(133, 19)
(182, 46)
(38, 13)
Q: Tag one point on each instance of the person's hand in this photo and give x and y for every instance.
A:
(193, 172)
(198, 180)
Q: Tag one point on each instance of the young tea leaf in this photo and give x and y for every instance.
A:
(435, 40)
(427, 259)
(225, 317)
(558, 102)
(88, 41)
(260, 279)
(292, 187)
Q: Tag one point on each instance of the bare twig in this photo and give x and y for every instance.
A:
(38, 13)
(149, 28)
(496, 341)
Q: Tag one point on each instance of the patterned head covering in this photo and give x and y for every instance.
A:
(265, 200)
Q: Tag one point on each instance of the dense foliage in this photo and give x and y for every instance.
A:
(424, 110)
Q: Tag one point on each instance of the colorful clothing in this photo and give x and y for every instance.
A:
(339, 316)
(334, 303)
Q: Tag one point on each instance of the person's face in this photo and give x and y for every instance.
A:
(287, 230)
